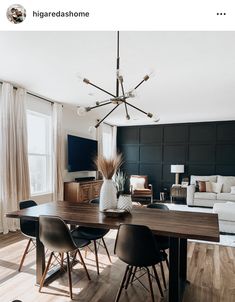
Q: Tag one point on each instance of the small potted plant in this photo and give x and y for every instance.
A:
(120, 180)
(124, 200)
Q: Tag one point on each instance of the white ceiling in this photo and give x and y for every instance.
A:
(194, 71)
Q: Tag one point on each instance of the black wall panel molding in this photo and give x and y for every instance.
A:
(204, 148)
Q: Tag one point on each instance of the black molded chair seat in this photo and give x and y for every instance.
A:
(80, 242)
(89, 233)
(92, 234)
(28, 228)
(162, 241)
(56, 236)
(136, 246)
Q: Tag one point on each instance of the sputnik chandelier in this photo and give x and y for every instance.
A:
(116, 99)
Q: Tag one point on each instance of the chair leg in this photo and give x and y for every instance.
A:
(84, 265)
(61, 260)
(96, 258)
(133, 275)
(69, 276)
(163, 275)
(105, 246)
(150, 284)
(158, 281)
(122, 285)
(45, 271)
(86, 251)
(167, 262)
(24, 254)
(74, 258)
(128, 277)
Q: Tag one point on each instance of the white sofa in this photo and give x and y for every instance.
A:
(208, 199)
(226, 214)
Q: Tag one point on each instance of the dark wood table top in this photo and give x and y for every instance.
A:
(191, 225)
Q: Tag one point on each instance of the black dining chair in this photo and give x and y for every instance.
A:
(28, 229)
(93, 234)
(162, 241)
(136, 246)
(56, 236)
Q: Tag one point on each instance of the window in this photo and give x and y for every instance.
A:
(107, 140)
(39, 152)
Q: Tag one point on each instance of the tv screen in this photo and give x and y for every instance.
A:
(81, 153)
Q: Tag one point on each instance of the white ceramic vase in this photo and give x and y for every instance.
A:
(108, 195)
(125, 202)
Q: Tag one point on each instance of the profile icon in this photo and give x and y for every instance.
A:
(16, 13)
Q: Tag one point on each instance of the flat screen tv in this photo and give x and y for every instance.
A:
(81, 153)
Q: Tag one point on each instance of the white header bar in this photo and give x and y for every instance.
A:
(121, 14)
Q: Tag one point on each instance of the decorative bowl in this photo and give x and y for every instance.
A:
(114, 212)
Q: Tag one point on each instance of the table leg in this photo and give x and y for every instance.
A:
(174, 280)
(183, 260)
(40, 258)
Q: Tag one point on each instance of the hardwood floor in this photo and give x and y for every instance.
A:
(211, 272)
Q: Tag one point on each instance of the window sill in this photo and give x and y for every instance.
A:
(41, 194)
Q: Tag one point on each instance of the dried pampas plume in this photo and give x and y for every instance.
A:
(108, 166)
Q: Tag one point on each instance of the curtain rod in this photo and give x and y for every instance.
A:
(32, 94)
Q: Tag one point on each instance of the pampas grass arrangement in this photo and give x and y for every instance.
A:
(108, 166)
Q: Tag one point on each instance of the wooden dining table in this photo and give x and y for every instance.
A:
(178, 225)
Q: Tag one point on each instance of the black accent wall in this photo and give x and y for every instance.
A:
(204, 148)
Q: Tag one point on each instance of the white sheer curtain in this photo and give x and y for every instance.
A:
(58, 191)
(14, 172)
(107, 138)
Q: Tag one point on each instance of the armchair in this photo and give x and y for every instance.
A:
(140, 188)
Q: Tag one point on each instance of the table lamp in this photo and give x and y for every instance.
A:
(177, 169)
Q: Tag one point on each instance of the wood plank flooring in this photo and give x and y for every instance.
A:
(211, 271)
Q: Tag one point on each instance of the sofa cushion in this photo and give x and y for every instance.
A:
(194, 178)
(205, 195)
(225, 211)
(226, 196)
(233, 190)
(216, 187)
(227, 181)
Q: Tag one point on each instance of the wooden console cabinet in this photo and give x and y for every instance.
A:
(82, 191)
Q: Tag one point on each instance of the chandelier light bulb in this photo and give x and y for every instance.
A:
(79, 76)
(156, 118)
(92, 129)
(132, 93)
(81, 111)
(151, 73)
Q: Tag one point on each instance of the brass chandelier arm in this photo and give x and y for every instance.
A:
(97, 106)
(90, 83)
(141, 82)
(97, 125)
(144, 112)
(123, 92)
(126, 109)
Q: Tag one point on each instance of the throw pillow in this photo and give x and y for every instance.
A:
(137, 183)
(208, 187)
(203, 186)
(233, 190)
(216, 187)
